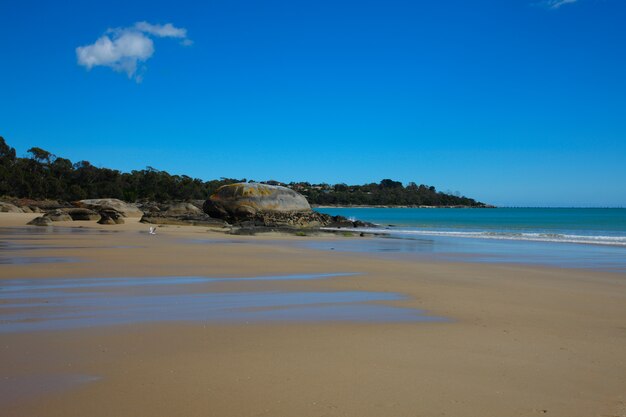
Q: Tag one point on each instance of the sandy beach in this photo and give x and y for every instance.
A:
(513, 340)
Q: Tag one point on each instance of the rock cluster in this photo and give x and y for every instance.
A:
(177, 213)
(51, 216)
(77, 214)
(247, 207)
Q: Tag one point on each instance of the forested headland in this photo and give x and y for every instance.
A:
(43, 175)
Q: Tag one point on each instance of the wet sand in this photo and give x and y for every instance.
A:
(516, 340)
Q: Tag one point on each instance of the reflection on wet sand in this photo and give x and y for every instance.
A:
(56, 304)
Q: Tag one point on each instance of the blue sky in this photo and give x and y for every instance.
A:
(510, 102)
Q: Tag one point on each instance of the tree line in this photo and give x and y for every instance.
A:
(43, 175)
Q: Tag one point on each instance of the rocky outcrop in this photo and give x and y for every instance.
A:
(253, 207)
(276, 221)
(340, 222)
(242, 201)
(9, 208)
(199, 219)
(110, 217)
(100, 204)
(82, 214)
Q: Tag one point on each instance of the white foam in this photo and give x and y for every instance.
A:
(523, 236)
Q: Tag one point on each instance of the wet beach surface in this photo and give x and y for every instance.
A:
(55, 304)
(22, 245)
(71, 304)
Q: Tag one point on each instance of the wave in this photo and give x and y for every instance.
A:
(523, 236)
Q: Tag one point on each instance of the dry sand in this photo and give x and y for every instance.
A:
(522, 341)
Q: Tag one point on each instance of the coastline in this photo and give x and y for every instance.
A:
(519, 340)
(314, 206)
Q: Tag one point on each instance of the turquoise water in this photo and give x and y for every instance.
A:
(593, 226)
(570, 238)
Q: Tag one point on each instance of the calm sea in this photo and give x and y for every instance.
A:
(569, 237)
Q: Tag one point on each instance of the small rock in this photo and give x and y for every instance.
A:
(181, 209)
(41, 221)
(110, 217)
(58, 216)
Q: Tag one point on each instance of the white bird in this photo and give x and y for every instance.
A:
(152, 230)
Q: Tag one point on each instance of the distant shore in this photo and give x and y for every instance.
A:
(396, 206)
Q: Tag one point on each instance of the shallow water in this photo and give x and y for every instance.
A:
(50, 230)
(440, 248)
(29, 260)
(8, 257)
(58, 304)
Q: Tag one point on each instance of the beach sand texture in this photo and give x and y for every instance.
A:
(518, 340)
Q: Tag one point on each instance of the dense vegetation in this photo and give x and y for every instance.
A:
(46, 176)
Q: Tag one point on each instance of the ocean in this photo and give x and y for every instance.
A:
(567, 237)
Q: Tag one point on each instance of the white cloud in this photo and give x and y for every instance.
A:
(164, 31)
(122, 53)
(122, 49)
(555, 4)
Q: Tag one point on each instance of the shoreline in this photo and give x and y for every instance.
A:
(519, 340)
(314, 206)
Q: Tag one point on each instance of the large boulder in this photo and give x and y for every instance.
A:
(101, 204)
(246, 200)
(261, 207)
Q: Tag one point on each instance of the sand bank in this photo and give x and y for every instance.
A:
(518, 340)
